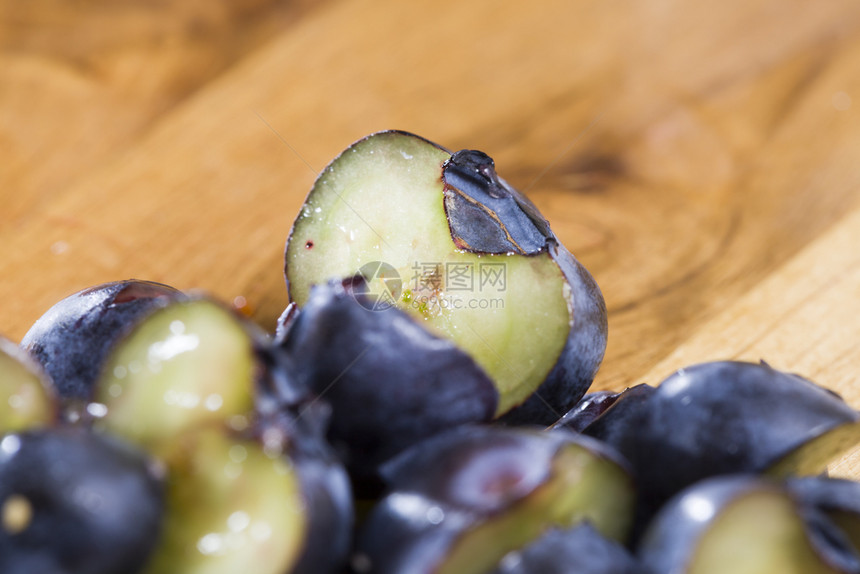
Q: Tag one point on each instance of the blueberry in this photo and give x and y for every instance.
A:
(722, 418)
(75, 502)
(461, 501)
(72, 339)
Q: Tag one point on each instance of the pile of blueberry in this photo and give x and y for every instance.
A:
(406, 417)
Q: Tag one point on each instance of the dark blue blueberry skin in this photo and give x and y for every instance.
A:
(487, 215)
(593, 405)
(389, 382)
(291, 410)
(399, 535)
(461, 467)
(443, 486)
(580, 549)
(835, 502)
(326, 491)
(827, 494)
(327, 496)
(72, 339)
(713, 419)
(96, 504)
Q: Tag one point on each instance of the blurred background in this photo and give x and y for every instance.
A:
(702, 159)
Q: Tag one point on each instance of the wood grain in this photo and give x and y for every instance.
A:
(692, 154)
(81, 80)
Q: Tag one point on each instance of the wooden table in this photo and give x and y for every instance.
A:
(701, 158)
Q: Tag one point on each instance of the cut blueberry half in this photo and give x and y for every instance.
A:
(721, 418)
(461, 501)
(26, 394)
(232, 506)
(250, 480)
(188, 364)
(72, 339)
(744, 525)
(442, 237)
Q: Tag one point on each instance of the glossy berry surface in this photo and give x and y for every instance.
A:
(577, 549)
(72, 339)
(73, 502)
(390, 382)
(723, 418)
(461, 501)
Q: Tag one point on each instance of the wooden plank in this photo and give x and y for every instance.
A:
(717, 194)
(684, 151)
(81, 80)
